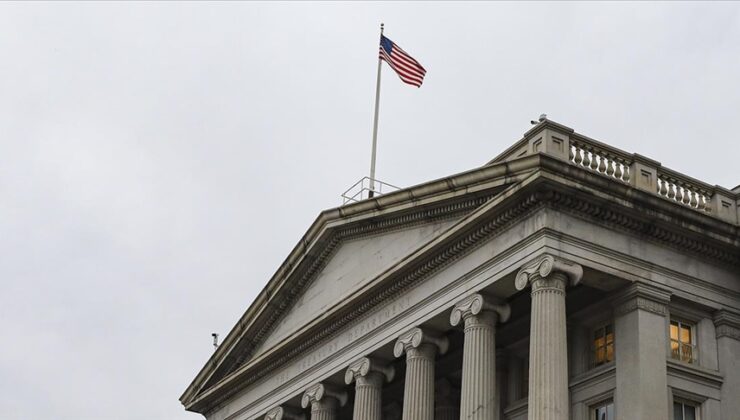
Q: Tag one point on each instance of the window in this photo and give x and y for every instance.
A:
(685, 411)
(603, 411)
(683, 341)
(603, 345)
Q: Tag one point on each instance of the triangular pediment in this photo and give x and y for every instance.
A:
(344, 253)
(352, 266)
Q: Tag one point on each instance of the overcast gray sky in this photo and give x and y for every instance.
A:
(158, 161)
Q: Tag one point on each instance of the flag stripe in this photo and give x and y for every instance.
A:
(402, 72)
(408, 69)
(407, 77)
(402, 68)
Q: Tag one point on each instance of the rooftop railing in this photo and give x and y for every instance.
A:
(630, 168)
(366, 188)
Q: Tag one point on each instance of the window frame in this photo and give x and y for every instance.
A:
(692, 326)
(686, 402)
(603, 403)
(593, 358)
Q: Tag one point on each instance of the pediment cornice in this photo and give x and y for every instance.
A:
(554, 184)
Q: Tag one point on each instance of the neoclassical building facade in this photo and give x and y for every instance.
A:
(565, 279)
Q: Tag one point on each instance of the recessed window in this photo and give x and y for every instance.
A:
(603, 411)
(683, 341)
(603, 345)
(685, 411)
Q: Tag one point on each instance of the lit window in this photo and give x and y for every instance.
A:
(604, 411)
(603, 345)
(683, 342)
(684, 411)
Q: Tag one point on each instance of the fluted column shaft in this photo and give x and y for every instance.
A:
(326, 409)
(548, 350)
(421, 350)
(548, 335)
(368, 375)
(368, 402)
(324, 401)
(479, 398)
(418, 397)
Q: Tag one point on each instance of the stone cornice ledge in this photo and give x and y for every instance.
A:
(695, 373)
(727, 324)
(643, 296)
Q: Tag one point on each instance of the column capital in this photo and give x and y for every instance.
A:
(477, 303)
(319, 392)
(544, 266)
(366, 365)
(284, 413)
(727, 324)
(643, 296)
(416, 337)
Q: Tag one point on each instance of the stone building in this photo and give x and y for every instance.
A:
(564, 279)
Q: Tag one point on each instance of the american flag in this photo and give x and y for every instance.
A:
(408, 69)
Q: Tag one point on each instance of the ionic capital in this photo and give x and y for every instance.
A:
(366, 365)
(477, 303)
(284, 413)
(416, 337)
(319, 392)
(546, 265)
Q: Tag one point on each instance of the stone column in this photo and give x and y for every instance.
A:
(447, 401)
(640, 347)
(324, 401)
(421, 348)
(728, 350)
(479, 399)
(548, 348)
(284, 413)
(368, 375)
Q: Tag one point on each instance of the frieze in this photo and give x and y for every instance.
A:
(728, 331)
(642, 304)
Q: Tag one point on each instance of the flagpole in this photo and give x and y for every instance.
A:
(375, 127)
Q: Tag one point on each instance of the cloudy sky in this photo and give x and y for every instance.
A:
(158, 161)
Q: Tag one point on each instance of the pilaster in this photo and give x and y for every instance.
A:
(640, 352)
(728, 351)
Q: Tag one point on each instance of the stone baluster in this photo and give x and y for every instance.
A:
(479, 399)
(548, 348)
(324, 400)
(368, 375)
(421, 348)
(284, 413)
